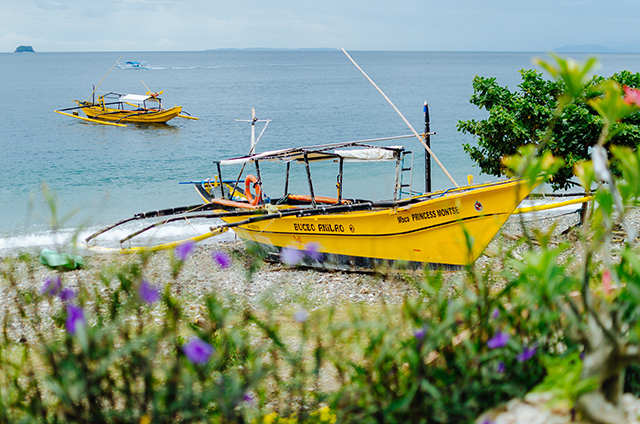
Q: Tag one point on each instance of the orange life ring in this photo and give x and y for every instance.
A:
(247, 189)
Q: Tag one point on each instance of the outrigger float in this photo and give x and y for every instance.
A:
(444, 229)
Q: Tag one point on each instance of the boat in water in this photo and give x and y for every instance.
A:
(119, 109)
(133, 65)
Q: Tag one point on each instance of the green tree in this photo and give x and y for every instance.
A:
(528, 116)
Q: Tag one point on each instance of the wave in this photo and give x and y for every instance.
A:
(73, 237)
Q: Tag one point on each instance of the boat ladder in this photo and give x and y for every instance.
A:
(403, 184)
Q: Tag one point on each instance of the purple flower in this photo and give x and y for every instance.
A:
(75, 318)
(147, 292)
(221, 259)
(301, 316)
(51, 286)
(312, 250)
(495, 313)
(198, 351)
(291, 256)
(183, 250)
(249, 398)
(499, 340)
(67, 295)
(526, 354)
(501, 368)
(420, 333)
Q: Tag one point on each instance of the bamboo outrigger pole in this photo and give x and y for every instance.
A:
(404, 119)
(95, 121)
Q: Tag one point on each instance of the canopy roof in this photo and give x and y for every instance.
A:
(137, 98)
(362, 152)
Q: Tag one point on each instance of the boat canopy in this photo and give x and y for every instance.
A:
(137, 98)
(373, 154)
(362, 152)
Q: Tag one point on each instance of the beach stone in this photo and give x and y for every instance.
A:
(539, 408)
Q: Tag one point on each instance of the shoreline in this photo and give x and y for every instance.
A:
(287, 287)
(201, 275)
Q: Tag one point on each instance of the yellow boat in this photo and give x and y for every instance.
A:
(120, 109)
(444, 229)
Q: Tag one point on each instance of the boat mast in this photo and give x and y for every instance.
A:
(427, 156)
(339, 182)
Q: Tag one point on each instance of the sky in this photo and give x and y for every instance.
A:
(402, 25)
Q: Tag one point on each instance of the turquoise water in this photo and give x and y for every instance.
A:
(102, 174)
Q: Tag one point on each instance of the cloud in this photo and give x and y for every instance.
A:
(122, 25)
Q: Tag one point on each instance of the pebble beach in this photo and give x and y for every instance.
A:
(285, 286)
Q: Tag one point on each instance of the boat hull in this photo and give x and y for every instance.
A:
(448, 231)
(132, 116)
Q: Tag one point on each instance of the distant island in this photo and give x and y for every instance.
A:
(24, 49)
(264, 49)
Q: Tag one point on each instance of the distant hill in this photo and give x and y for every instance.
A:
(24, 49)
(586, 48)
(264, 49)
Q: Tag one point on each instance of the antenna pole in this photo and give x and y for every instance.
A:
(253, 146)
(253, 129)
(254, 140)
(405, 120)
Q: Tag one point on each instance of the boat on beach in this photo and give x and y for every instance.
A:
(443, 229)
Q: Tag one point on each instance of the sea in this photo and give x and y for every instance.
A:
(62, 179)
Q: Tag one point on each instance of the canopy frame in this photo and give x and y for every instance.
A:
(355, 151)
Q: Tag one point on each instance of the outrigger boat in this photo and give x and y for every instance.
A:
(119, 109)
(446, 229)
(442, 229)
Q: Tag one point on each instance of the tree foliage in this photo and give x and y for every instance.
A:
(527, 116)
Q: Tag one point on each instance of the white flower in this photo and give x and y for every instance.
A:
(599, 159)
(301, 316)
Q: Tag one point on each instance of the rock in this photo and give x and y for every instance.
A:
(24, 49)
(539, 408)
